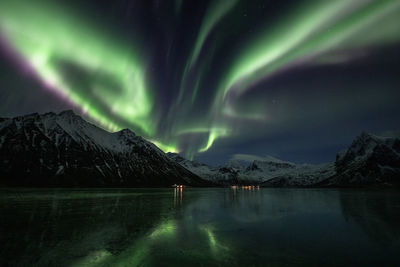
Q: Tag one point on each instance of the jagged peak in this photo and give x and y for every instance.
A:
(175, 156)
(270, 159)
(68, 112)
(127, 134)
(237, 164)
(365, 136)
(126, 131)
(363, 146)
(50, 113)
(34, 114)
(23, 117)
(390, 134)
(363, 139)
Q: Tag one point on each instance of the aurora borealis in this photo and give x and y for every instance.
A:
(209, 79)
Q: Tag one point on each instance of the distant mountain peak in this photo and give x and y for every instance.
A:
(68, 112)
(391, 134)
(50, 114)
(126, 132)
(269, 158)
(34, 114)
(370, 159)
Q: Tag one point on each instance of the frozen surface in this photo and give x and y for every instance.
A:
(199, 227)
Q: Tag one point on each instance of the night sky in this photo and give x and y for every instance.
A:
(297, 80)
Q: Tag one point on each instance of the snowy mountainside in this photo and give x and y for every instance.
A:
(202, 170)
(282, 173)
(64, 150)
(278, 172)
(370, 160)
(302, 175)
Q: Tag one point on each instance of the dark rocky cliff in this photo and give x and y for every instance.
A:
(65, 150)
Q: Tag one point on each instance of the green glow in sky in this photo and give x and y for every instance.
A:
(315, 28)
(50, 44)
(107, 78)
(214, 14)
(213, 135)
(166, 147)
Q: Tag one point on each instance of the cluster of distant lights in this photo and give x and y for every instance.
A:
(245, 187)
(235, 187)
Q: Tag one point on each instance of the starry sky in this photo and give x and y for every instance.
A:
(212, 80)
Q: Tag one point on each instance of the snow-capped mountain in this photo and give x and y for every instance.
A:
(268, 172)
(221, 175)
(370, 160)
(269, 167)
(65, 150)
(302, 175)
(202, 170)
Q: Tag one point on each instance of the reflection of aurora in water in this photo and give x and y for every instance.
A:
(168, 232)
(209, 227)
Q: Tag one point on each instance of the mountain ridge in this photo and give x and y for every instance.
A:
(370, 160)
(65, 150)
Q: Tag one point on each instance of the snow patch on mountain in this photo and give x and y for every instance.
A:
(63, 149)
(370, 159)
(259, 172)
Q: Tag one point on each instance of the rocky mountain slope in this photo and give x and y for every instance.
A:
(268, 172)
(370, 160)
(222, 175)
(65, 150)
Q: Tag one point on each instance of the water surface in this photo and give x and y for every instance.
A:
(199, 227)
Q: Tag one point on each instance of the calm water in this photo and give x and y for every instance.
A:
(199, 227)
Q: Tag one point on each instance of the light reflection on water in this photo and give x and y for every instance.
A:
(178, 196)
(238, 226)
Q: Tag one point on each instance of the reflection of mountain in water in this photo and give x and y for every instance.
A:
(376, 213)
(137, 227)
(259, 204)
(198, 227)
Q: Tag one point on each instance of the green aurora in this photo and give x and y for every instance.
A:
(112, 87)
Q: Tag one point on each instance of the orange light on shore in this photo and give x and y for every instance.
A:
(248, 187)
